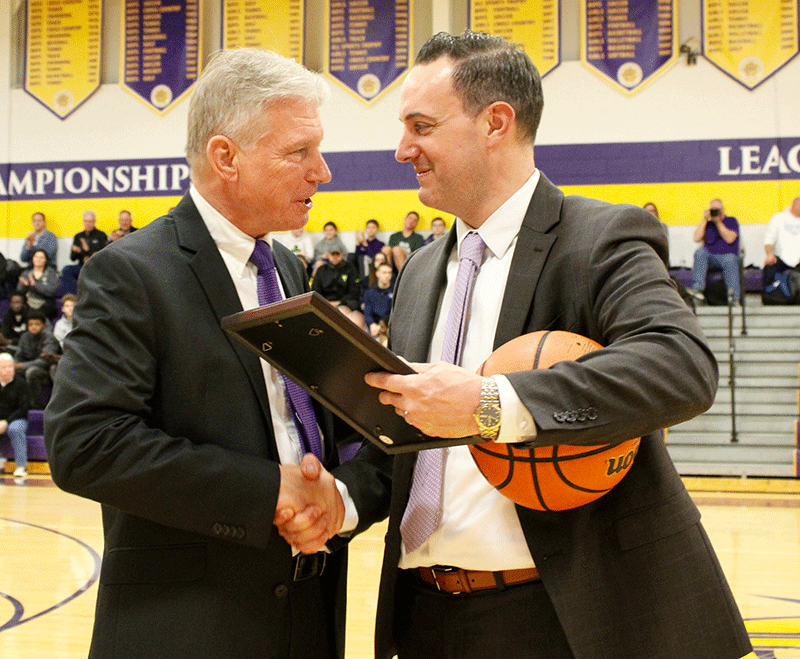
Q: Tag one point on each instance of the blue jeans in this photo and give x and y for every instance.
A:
(729, 263)
(18, 434)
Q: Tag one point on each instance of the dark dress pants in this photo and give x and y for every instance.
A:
(518, 622)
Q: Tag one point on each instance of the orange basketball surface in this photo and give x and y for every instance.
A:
(549, 477)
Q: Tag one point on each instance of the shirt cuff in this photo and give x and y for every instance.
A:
(350, 512)
(516, 423)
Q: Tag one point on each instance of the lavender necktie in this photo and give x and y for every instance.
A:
(299, 401)
(424, 510)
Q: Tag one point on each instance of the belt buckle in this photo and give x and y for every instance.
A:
(443, 569)
(307, 566)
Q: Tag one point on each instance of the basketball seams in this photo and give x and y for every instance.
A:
(557, 477)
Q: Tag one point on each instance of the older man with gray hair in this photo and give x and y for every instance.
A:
(14, 413)
(193, 445)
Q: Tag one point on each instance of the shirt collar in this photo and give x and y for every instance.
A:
(230, 240)
(502, 226)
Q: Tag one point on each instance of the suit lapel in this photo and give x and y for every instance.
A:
(417, 328)
(212, 275)
(533, 246)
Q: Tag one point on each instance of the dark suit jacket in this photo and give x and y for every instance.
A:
(632, 575)
(164, 419)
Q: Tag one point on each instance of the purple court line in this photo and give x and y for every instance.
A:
(19, 609)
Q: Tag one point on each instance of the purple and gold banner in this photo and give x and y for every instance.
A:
(62, 52)
(368, 45)
(750, 39)
(277, 26)
(629, 43)
(530, 24)
(160, 50)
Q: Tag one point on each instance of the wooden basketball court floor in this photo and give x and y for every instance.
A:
(51, 543)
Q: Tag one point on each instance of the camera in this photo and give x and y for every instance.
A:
(713, 212)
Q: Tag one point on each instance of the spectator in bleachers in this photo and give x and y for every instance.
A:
(438, 227)
(338, 282)
(32, 358)
(299, 243)
(65, 323)
(39, 284)
(378, 300)
(719, 235)
(782, 242)
(14, 402)
(650, 207)
(39, 238)
(368, 245)
(15, 322)
(125, 223)
(402, 243)
(330, 242)
(85, 243)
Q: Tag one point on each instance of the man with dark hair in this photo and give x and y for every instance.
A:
(338, 281)
(31, 357)
(403, 243)
(466, 573)
(367, 246)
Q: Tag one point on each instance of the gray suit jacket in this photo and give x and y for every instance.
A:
(164, 419)
(632, 575)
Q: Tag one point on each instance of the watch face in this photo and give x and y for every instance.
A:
(489, 417)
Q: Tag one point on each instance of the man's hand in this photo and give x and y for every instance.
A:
(439, 399)
(310, 509)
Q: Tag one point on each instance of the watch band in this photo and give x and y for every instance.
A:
(487, 415)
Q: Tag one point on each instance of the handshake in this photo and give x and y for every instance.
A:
(310, 509)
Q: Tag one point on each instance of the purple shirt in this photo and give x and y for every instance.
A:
(714, 242)
(370, 249)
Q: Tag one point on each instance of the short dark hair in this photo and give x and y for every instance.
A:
(35, 314)
(375, 222)
(35, 213)
(489, 69)
(46, 255)
(330, 224)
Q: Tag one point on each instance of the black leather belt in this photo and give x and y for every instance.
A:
(307, 566)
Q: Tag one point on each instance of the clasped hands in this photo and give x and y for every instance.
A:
(310, 509)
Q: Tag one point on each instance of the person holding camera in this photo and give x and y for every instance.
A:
(719, 235)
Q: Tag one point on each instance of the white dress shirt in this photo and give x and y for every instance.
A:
(236, 247)
(480, 529)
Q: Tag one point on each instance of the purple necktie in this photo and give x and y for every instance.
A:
(299, 401)
(423, 513)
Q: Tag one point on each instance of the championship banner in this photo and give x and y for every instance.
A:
(532, 25)
(629, 43)
(277, 26)
(750, 39)
(160, 50)
(367, 45)
(62, 52)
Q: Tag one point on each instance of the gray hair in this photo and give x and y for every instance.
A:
(233, 91)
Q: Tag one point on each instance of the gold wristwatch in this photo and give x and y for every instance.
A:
(487, 414)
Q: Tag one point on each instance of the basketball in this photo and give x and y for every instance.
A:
(549, 477)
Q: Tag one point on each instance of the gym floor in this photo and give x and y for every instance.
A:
(52, 542)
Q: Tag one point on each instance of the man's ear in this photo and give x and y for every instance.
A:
(500, 121)
(222, 156)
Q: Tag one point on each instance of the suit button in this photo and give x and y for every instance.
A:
(281, 591)
(217, 529)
